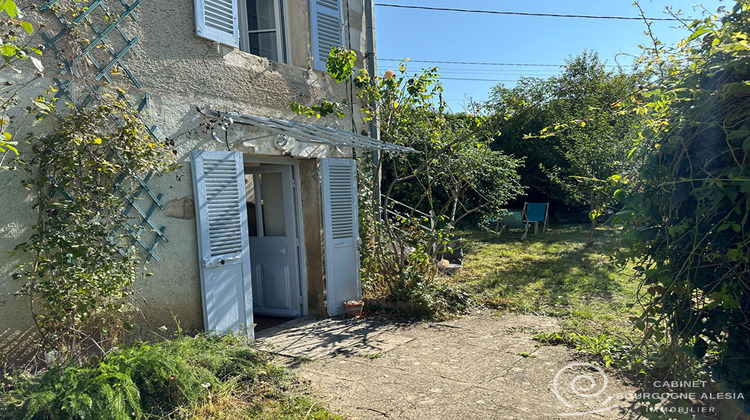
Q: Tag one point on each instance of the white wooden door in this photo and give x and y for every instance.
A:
(341, 232)
(273, 240)
(223, 245)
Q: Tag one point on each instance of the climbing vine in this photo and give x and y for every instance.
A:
(80, 268)
(15, 45)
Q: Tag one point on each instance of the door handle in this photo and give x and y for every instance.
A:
(221, 260)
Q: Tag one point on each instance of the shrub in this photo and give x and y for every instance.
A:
(137, 381)
(688, 209)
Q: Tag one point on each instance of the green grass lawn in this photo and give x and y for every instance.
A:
(552, 273)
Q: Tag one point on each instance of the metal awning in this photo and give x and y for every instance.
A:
(309, 133)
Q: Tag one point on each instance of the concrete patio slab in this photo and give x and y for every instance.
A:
(311, 338)
(481, 366)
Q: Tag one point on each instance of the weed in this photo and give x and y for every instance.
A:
(372, 355)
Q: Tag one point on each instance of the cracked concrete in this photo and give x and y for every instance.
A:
(480, 366)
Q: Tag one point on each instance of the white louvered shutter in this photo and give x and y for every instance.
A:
(327, 30)
(223, 242)
(341, 232)
(217, 20)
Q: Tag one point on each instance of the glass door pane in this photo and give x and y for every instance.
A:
(271, 191)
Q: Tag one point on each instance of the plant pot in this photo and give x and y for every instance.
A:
(354, 308)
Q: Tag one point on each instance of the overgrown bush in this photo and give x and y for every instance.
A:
(140, 381)
(689, 210)
(398, 261)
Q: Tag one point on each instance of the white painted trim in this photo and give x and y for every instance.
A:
(287, 33)
(282, 31)
(273, 160)
(301, 237)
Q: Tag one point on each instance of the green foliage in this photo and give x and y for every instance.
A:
(14, 45)
(79, 270)
(340, 63)
(11, 38)
(434, 299)
(574, 130)
(612, 351)
(76, 392)
(324, 109)
(140, 381)
(688, 208)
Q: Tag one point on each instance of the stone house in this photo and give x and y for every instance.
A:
(262, 216)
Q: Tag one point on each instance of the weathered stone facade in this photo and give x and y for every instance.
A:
(184, 76)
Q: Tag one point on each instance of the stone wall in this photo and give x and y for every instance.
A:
(184, 76)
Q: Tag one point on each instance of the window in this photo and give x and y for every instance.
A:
(262, 28)
(259, 26)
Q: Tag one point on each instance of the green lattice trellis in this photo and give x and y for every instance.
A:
(105, 53)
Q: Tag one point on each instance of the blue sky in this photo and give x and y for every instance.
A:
(453, 36)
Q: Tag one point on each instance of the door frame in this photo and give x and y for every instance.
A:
(297, 198)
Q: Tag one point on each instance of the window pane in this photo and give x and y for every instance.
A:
(252, 218)
(261, 15)
(264, 45)
(273, 204)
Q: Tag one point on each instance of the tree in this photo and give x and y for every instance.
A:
(520, 111)
(466, 180)
(585, 136)
(454, 175)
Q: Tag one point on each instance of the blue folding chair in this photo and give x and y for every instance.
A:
(535, 213)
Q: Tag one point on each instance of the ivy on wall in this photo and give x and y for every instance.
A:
(89, 176)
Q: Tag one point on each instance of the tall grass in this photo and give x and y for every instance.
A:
(182, 378)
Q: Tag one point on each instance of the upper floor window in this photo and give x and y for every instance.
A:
(263, 31)
(259, 26)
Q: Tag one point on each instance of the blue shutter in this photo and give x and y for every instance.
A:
(341, 232)
(327, 30)
(217, 20)
(223, 243)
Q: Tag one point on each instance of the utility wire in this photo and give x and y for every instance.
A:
(477, 80)
(471, 79)
(473, 63)
(495, 12)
